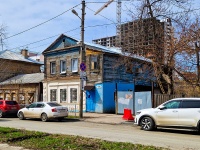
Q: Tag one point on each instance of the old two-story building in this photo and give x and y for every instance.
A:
(104, 76)
(20, 77)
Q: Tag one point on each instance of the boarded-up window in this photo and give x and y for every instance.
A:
(73, 95)
(53, 95)
(94, 62)
(63, 95)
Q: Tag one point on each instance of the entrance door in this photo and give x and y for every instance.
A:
(90, 104)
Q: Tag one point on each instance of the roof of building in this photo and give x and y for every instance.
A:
(58, 39)
(116, 50)
(25, 79)
(98, 47)
(6, 54)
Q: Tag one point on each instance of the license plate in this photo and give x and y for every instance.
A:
(62, 110)
(13, 108)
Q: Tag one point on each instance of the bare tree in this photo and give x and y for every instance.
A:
(149, 36)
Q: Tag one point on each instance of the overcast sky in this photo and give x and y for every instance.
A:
(21, 15)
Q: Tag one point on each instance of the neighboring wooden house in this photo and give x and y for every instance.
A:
(13, 64)
(24, 88)
(13, 81)
(105, 75)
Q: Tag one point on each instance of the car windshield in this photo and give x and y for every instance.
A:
(11, 102)
(53, 104)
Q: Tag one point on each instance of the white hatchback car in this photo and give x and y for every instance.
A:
(175, 113)
(44, 111)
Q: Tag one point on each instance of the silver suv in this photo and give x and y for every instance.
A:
(176, 113)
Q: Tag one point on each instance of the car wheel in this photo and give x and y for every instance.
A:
(1, 114)
(21, 115)
(60, 119)
(44, 117)
(147, 124)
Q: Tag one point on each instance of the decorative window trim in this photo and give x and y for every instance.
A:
(52, 69)
(74, 64)
(63, 69)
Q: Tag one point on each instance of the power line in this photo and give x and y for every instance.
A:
(44, 39)
(75, 28)
(59, 34)
(101, 15)
(41, 23)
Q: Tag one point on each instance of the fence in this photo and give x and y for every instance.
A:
(161, 98)
(73, 109)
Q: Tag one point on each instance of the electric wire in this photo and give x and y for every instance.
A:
(75, 28)
(100, 15)
(41, 23)
(59, 34)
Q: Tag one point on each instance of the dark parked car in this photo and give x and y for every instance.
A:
(8, 107)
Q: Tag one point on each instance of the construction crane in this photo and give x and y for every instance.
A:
(118, 26)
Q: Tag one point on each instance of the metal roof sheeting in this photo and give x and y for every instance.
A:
(116, 50)
(25, 79)
(15, 56)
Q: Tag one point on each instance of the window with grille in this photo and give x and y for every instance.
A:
(63, 95)
(53, 95)
(73, 95)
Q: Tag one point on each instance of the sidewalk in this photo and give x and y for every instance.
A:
(105, 118)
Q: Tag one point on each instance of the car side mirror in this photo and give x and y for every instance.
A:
(162, 107)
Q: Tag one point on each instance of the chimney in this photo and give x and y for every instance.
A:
(24, 52)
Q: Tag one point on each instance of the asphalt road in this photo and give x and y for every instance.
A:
(177, 140)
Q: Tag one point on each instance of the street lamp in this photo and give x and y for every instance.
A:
(82, 55)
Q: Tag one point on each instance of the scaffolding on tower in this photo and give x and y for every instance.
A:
(118, 24)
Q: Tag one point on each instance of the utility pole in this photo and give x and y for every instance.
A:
(82, 57)
(82, 60)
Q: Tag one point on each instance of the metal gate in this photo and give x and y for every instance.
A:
(142, 100)
(125, 100)
(133, 101)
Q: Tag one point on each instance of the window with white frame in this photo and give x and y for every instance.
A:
(62, 66)
(53, 67)
(63, 95)
(74, 65)
(53, 95)
(73, 95)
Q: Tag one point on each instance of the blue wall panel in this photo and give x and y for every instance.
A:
(102, 100)
(99, 98)
(108, 98)
(125, 87)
